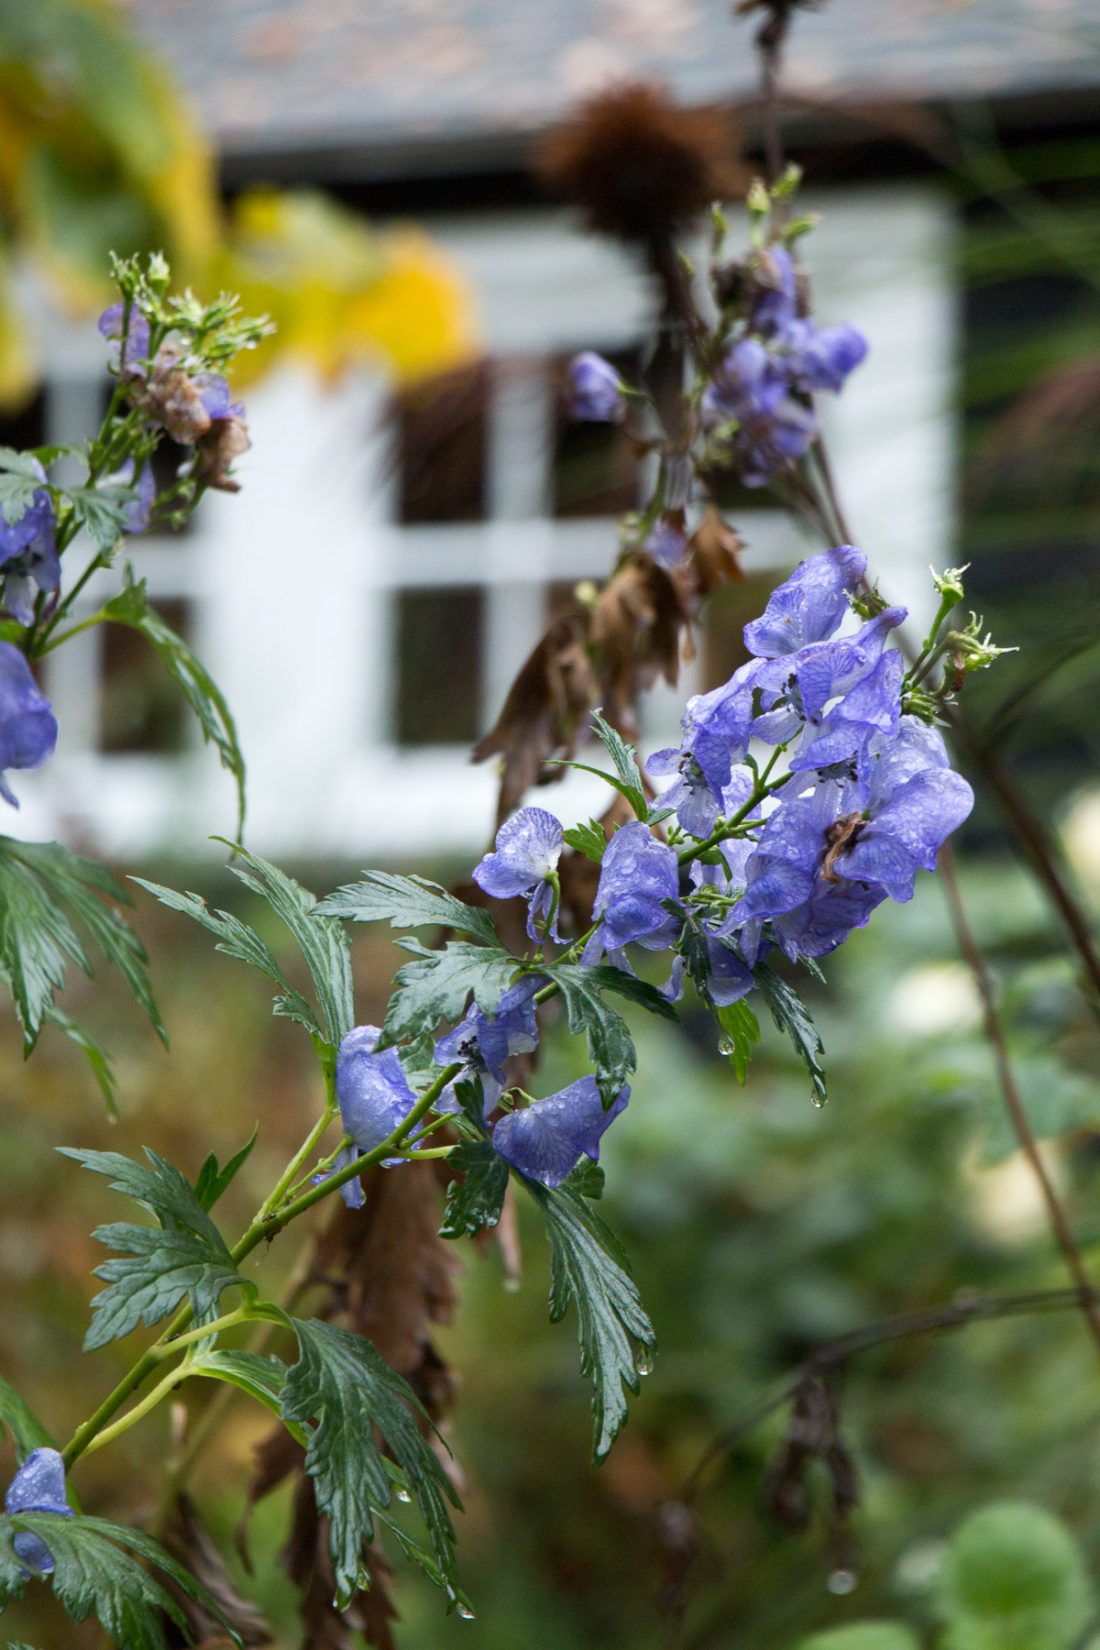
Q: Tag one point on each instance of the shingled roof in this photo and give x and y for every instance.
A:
(400, 80)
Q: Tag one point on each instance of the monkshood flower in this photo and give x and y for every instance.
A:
(138, 512)
(801, 688)
(129, 356)
(820, 358)
(38, 1486)
(808, 606)
(28, 727)
(372, 1090)
(768, 427)
(352, 1190)
(637, 876)
(547, 1139)
(28, 555)
(528, 848)
(775, 305)
(913, 801)
(485, 1042)
(595, 389)
(715, 734)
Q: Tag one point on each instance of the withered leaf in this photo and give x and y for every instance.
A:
(544, 712)
(190, 1541)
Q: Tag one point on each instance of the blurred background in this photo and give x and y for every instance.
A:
(415, 503)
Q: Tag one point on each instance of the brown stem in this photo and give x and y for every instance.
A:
(1014, 1104)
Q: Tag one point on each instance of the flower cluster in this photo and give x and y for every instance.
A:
(29, 562)
(757, 403)
(190, 403)
(764, 856)
(28, 727)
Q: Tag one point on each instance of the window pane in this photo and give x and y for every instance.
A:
(26, 426)
(595, 471)
(441, 446)
(438, 689)
(140, 708)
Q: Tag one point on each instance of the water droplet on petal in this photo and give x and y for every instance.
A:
(841, 1582)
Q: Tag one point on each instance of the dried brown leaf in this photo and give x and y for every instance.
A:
(714, 552)
(190, 1541)
(544, 712)
(636, 628)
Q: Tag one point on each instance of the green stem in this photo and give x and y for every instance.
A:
(305, 1150)
(267, 1224)
(152, 1398)
(73, 630)
(730, 827)
(229, 1320)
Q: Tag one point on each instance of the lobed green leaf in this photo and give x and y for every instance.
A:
(792, 1018)
(475, 1201)
(350, 1395)
(406, 902)
(436, 985)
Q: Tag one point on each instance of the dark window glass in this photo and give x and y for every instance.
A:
(141, 709)
(441, 445)
(595, 471)
(166, 462)
(26, 426)
(727, 612)
(438, 688)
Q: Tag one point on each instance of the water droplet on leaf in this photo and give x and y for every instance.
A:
(725, 1046)
(841, 1582)
(643, 1363)
(464, 1611)
(403, 1495)
(817, 1100)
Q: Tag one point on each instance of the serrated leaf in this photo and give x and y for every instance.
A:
(18, 1419)
(213, 1180)
(475, 1201)
(42, 886)
(436, 985)
(588, 1271)
(624, 757)
(588, 839)
(205, 698)
(741, 1031)
(792, 1018)
(610, 1044)
(609, 978)
(237, 939)
(321, 940)
(407, 902)
(586, 1179)
(16, 496)
(94, 1053)
(157, 1266)
(102, 511)
(341, 1384)
(95, 1573)
(19, 464)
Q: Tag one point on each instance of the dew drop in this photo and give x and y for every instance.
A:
(464, 1611)
(512, 1285)
(817, 1101)
(403, 1495)
(725, 1046)
(643, 1363)
(842, 1582)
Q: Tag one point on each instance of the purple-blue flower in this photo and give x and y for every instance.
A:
(38, 1486)
(137, 514)
(809, 605)
(776, 302)
(136, 347)
(715, 735)
(820, 358)
(751, 391)
(484, 1042)
(638, 875)
(547, 1139)
(28, 554)
(528, 848)
(372, 1090)
(595, 389)
(28, 727)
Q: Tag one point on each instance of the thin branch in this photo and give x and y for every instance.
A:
(1017, 1111)
(904, 1326)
